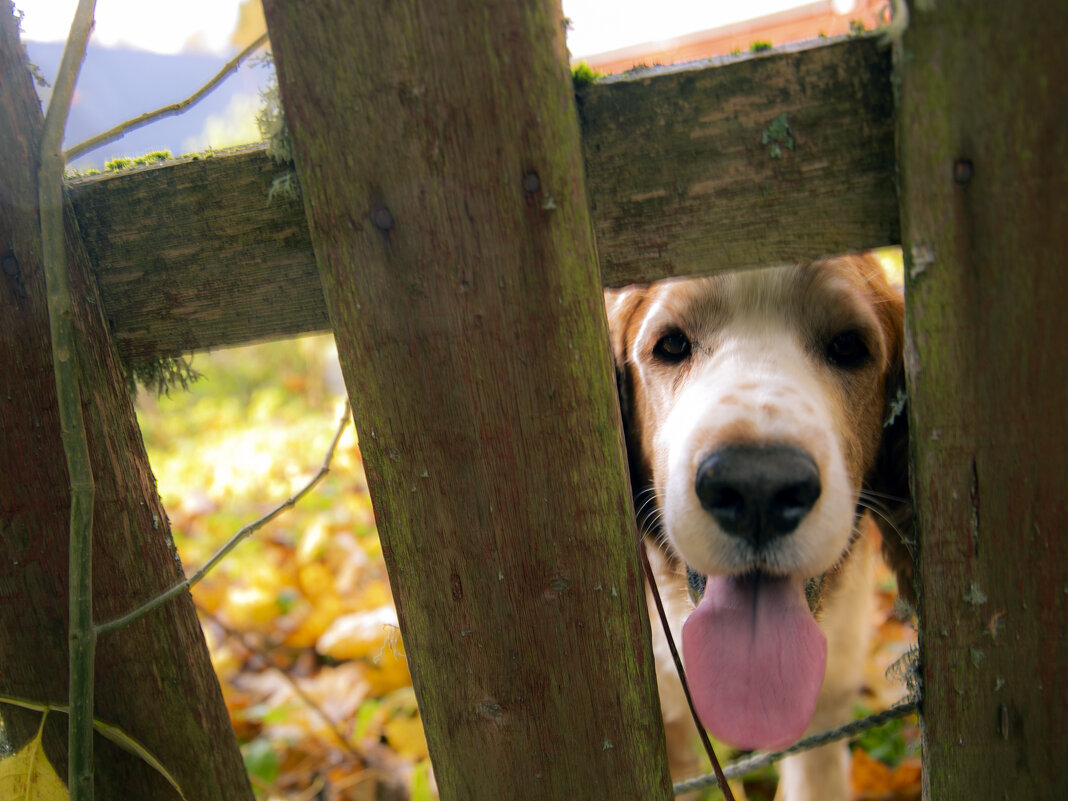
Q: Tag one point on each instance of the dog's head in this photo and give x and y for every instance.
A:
(760, 416)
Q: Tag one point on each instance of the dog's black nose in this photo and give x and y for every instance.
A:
(758, 492)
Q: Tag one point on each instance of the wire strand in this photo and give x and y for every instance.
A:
(762, 760)
(719, 776)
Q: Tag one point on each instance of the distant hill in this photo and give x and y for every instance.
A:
(117, 84)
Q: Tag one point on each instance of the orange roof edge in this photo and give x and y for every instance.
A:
(793, 25)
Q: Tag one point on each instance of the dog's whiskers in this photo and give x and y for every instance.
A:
(648, 513)
(877, 508)
(870, 493)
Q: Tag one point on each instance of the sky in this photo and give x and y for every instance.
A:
(205, 30)
(206, 25)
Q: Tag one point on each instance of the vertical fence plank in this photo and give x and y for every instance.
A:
(984, 172)
(438, 150)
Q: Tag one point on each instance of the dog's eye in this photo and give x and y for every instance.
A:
(848, 350)
(673, 347)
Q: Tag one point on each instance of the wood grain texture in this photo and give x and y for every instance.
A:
(438, 149)
(190, 256)
(154, 679)
(769, 160)
(984, 165)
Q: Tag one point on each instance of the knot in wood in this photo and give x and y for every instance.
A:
(963, 170)
(382, 217)
(490, 709)
(531, 182)
(10, 266)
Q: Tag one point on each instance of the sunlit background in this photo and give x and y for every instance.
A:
(143, 55)
(211, 26)
(299, 620)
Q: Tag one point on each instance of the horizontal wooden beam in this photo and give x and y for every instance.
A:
(764, 160)
(768, 160)
(191, 256)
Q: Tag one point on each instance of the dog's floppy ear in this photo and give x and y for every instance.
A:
(888, 481)
(620, 305)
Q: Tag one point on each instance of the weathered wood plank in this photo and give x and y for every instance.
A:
(769, 160)
(984, 166)
(190, 256)
(439, 152)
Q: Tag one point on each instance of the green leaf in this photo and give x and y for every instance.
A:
(261, 760)
(113, 733)
(128, 743)
(421, 784)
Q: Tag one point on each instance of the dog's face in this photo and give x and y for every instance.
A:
(754, 407)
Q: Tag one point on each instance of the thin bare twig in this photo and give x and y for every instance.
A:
(233, 542)
(124, 128)
(81, 637)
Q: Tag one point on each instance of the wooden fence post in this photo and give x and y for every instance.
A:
(154, 679)
(438, 150)
(984, 176)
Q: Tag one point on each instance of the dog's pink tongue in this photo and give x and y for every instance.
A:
(754, 658)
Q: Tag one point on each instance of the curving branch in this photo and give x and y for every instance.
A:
(233, 542)
(124, 128)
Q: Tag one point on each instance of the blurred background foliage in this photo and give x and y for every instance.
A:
(299, 619)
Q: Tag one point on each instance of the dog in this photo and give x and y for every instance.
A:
(763, 419)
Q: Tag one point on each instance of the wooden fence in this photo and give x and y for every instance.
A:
(465, 302)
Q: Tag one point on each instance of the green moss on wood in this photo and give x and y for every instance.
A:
(582, 74)
(778, 135)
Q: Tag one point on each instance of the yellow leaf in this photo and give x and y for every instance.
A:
(359, 634)
(28, 776)
(327, 609)
(314, 541)
(209, 595)
(387, 673)
(375, 594)
(405, 734)
(316, 580)
(26, 765)
(251, 607)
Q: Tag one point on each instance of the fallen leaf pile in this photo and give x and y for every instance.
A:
(299, 618)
